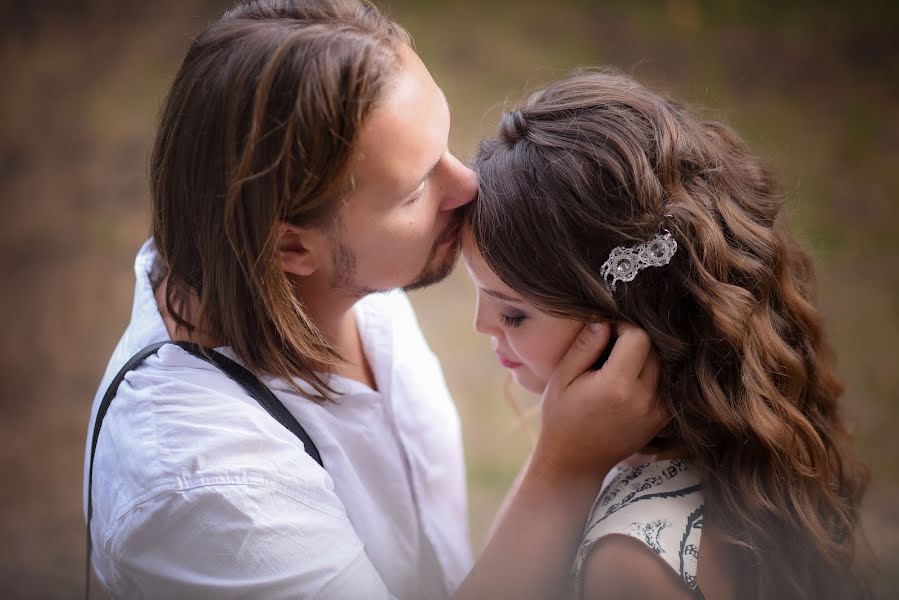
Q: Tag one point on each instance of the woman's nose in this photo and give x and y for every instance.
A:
(483, 325)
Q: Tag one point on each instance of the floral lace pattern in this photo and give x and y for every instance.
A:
(660, 504)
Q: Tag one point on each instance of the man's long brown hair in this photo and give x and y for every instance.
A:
(257, 130)
(598, 161)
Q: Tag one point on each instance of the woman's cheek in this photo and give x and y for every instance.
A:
(545, 370)
(539, 363)
(565, 333)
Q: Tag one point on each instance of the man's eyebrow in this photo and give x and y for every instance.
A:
(502, 296)
(423, 179)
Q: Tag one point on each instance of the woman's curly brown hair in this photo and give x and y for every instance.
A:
(598, 161)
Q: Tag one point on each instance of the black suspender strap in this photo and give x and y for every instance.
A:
(257, 391)
(235, 371)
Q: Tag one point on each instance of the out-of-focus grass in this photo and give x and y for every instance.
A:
(812, 86)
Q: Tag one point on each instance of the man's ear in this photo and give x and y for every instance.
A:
(300, 249)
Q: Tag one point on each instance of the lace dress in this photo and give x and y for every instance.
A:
(661, 505)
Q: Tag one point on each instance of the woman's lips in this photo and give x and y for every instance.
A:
(509, 364)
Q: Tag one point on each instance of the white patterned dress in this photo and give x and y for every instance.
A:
(658, 503)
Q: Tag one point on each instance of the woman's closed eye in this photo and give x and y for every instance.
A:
(513, 319)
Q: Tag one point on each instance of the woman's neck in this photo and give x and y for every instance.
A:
(650, 453)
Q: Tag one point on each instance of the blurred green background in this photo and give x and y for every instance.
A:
(814, 86)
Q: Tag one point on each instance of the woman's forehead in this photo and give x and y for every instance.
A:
(483, 276)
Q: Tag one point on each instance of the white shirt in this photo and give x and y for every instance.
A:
(198, 492)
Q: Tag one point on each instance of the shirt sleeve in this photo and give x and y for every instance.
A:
(238, 540)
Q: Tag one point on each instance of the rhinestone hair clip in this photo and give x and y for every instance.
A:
(625, 262)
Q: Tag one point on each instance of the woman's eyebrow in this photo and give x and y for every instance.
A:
(502, 296)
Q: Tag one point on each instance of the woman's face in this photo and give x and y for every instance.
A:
(528, 342)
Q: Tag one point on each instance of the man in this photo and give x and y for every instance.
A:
(301, 165)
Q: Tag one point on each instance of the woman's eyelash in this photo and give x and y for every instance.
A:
(513, 320)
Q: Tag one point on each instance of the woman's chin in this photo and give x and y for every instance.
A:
(529, 383)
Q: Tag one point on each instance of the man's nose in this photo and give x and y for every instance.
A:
(461, 184)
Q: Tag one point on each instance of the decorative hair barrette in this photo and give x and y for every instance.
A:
(625, 262)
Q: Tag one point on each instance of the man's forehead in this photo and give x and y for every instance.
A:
(405, 133)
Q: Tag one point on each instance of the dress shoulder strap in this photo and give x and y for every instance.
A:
(660, 504)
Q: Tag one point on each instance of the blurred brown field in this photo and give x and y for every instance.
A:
(812, 86)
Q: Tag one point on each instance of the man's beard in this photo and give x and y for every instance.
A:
(435, 273)
(345, 265)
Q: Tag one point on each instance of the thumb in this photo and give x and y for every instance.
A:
(584, 351)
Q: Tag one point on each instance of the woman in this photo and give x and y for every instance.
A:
(601, 200)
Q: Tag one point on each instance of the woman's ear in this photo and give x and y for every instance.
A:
(300, 249)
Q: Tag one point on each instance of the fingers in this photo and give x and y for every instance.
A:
(583, 352)
(663, 413)
(650, 379)
(630, 353)
(652, 370)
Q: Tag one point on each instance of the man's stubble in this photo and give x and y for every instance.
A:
(345, 264)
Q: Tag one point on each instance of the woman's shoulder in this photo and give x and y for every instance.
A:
(659, 504)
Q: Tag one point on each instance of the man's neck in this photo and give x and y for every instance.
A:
(332, 311)
(329, 309)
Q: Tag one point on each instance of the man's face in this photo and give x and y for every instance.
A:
(399, 226)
